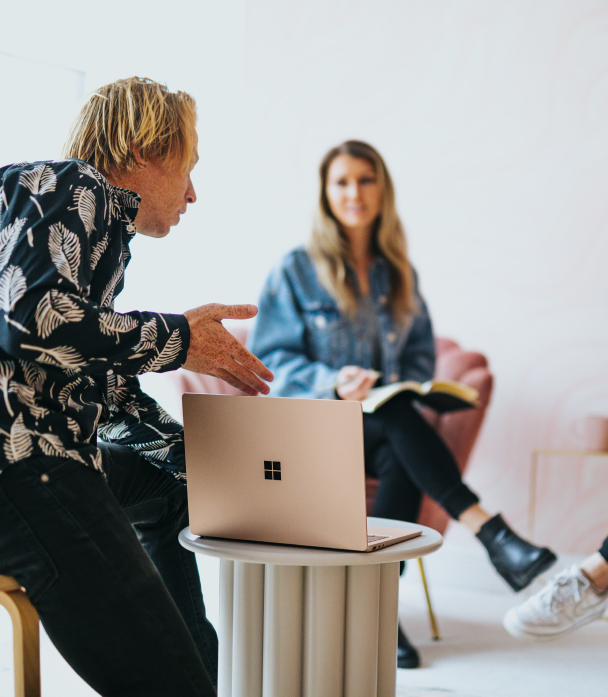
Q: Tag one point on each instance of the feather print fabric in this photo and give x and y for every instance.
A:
(68, 362)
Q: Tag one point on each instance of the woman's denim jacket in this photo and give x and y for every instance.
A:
(302, 336)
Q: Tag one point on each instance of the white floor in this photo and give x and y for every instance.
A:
(475, 658)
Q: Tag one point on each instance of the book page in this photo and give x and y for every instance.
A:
(379, 395)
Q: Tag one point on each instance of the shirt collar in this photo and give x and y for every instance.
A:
(129, 204)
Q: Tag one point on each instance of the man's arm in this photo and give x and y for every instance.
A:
(55, 230)
(58, 226)
(139, 422)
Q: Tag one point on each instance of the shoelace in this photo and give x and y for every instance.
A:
(564, 587)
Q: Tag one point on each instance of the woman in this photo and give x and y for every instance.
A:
(336, 315)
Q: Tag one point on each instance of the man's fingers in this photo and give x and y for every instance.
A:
(213, 348)
(246, 358)
(218, 311)
(246, 376)
(235, 382)
(234, 311)
(240, 354)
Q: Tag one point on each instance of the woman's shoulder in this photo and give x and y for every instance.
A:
(296, 265)
(296, 259)
(297, 271)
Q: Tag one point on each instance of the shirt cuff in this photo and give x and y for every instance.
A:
(180, 323)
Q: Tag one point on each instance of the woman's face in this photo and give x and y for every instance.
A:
(353, 193)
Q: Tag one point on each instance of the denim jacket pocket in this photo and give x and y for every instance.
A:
(325, 333)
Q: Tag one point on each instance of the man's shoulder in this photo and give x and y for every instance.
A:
(68, 164)
(48, 173)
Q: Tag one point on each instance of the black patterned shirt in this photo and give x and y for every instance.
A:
(68, 361)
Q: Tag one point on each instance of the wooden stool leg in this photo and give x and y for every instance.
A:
(26, 642)
(434, 627)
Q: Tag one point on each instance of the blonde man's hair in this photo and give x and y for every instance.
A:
(328, 246)
(134, 114)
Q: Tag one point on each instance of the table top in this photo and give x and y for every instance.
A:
(267, 553)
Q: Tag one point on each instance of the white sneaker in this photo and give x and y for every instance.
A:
(568, 601)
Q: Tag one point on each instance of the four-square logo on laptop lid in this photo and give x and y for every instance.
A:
(272, 469)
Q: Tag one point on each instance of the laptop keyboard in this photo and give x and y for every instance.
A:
(375, 538)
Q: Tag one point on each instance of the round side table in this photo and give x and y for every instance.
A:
(309, 622)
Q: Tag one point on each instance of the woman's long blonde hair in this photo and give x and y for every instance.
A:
(328, 246)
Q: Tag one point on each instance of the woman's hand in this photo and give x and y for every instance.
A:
(354, 382)
(214, 351)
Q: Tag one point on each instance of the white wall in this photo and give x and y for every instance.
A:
(30, 130)
(493, 118)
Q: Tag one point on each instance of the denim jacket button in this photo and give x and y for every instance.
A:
(394, 377)
(320, 322)
(382, 300)
(391, 337)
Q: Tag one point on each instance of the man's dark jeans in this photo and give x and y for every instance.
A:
(113, 611)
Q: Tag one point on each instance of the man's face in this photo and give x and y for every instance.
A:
(165, 193)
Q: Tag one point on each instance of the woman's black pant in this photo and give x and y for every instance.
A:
(409, 458)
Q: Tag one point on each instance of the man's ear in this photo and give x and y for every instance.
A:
(139, 160)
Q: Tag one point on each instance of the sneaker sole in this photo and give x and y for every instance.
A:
(516, 629)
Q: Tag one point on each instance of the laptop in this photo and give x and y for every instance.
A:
(287, 471)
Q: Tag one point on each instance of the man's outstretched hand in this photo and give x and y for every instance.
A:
(214, 351)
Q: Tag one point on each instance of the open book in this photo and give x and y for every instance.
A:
(440, 395)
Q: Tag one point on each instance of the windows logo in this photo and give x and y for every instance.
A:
(272, 470)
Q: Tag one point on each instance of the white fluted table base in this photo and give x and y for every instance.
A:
(307, 622)
(314, 631)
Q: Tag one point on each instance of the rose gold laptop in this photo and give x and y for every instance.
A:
(288, 471)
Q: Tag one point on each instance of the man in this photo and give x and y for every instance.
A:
(72, 509)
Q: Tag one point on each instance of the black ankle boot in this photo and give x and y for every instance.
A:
(516, 560)
(407, 656)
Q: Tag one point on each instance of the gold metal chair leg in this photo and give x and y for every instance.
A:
(26, 642)
(434, 627)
